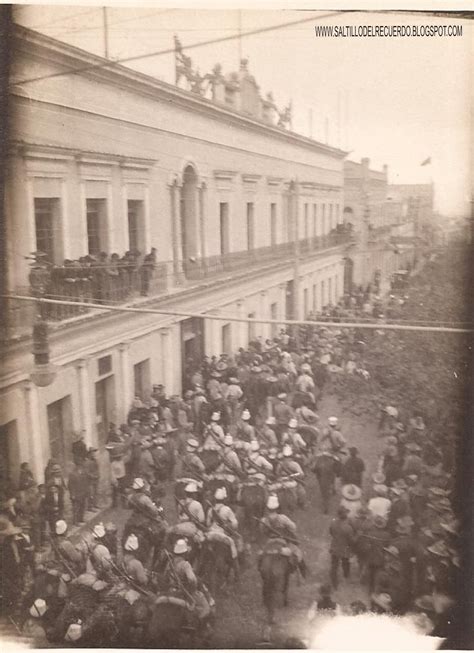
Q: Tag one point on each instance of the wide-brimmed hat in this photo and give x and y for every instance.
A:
(382, 600)
(392, 550)
(351, 492)
(400, 426)
(378, 478)
(425, 603)
(391, 410)
(282, 395)
(233, 380)
(438, 491)
(439, 549)
(192, 444)
(215, 374)
(379, 521)
(380, 490)
(412, 446)
(451, 526)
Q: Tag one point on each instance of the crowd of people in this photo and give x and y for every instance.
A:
(101, 278)
(238, 452)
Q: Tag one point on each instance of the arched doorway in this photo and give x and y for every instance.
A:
(189, 219)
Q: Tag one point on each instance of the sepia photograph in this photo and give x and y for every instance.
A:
(236, 327)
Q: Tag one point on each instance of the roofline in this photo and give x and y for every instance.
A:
(114, 73)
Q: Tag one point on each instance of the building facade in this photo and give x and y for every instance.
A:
(385, 238)
(138, 193)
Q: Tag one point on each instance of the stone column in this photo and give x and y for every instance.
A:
(37, 454)
(202, 223)
(82, 372)
(176, 237)
(126, 389)
(241, 327)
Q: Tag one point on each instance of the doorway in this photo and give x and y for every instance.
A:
(192, 347)
(9, 456)
(59, 430)
(104, 407)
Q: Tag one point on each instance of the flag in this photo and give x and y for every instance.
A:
(426, 162)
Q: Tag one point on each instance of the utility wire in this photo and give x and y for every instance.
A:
(108, 63)
(246, 320)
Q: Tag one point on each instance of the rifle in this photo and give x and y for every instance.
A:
(261, 471)
(280, 535)
(233, 469)
(191, 517)
(177, 578)
(62, 559)
(199, 476)
(209, 431)
(224, 527)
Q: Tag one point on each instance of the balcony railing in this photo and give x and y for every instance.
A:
(114, 284)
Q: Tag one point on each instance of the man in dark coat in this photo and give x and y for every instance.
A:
(353, 469)
(342, 540)
(79, 492)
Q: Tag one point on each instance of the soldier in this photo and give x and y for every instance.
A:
(132, 566)
(245, 431)
(256, 461)
(221, 519)
(141, 501)
(73, 558)
(192, 464)
(268, 438)
(79, 448)
(333, 435)
(275, 525)
(191, 509)
(92, 470)
(289, 467)
(342, 540)
(213, 432)
(230, 460)
(181, 577)
(283, 413)
(100, 559)
(293, 438)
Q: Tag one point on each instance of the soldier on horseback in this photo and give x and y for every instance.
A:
(100, 559)
(291, 468)
(132, 566)
(276, 525)
(221, 520)
(72, 557)
(192, 464)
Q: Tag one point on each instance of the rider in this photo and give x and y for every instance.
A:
(290, 467)
(230, 460)
(256, 461)
(334, 436)
(214, 433)
(192, 464)
(293, 438)
(132, 566)
(71, 556)
(141, 501)
(245, 431)
(267, 435)
(191, 509)
(181, 578)
(100, 558)
(221, 519)
(276, 525)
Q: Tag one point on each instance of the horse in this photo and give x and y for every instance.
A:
(252, 500)
(215, 563)
(286, 493)
(275, 569)
(210, 459)
(172, 624)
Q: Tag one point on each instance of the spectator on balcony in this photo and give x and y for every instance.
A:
(146, 271)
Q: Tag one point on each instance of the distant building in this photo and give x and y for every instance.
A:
(378, 253)
(108, 165)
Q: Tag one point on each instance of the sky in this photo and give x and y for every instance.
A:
(397, 101)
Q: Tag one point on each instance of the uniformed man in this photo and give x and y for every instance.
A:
(276, 525)
(100, 559)
(290, 468)
(213, 432)
(141, 502)
(293, 438)
(256, 461)
(283, 413)
(181, 577)
(132, 566)
(191, 509)
(230, 460)
(221, 519)
(73, 558)
(333, 435)
(268, 438)
(193, 466)
(245, 431)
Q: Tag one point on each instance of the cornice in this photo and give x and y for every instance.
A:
(107, 71)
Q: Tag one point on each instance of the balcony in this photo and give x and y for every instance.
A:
(109, 283)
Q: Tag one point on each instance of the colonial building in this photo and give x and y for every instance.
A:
(385, 238)
(140, 193)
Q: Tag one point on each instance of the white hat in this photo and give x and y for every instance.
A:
(245, 415)
(332, 421)
(131, 543)
(180, 547)
(293, 423)
(60, 527)
(351, 492)
(220, 493)
(99, 530)
(191, 487)
(138, 484)
(38, 608)
(270, 421)
(272, 502)
(215, 417)
(131, 596)
(287, 450)
(73, 633)
(228, 440)
(254, 445)
(192, 443)
(306, 367)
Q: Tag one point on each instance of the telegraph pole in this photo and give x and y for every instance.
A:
(106, 33)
